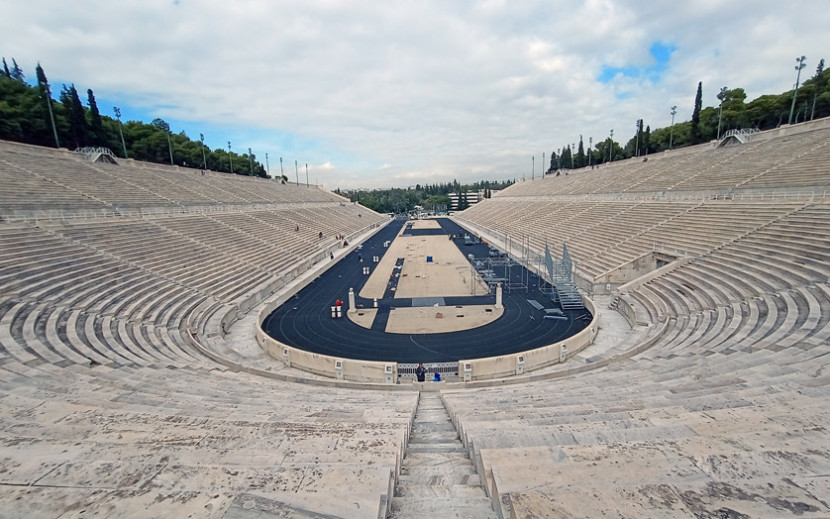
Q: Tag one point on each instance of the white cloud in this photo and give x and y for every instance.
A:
(397, 92)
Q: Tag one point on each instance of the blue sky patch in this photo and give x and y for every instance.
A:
(659, 51)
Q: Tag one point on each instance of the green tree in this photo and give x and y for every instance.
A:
(46, 95)
(554, 162)
(97, 136)
(696, 114)
(78, 132)
(16, 73)
(734, 109)
(462, 201)
(580, 160)
(647, 148)
(565, 157)
(6, 72)
(818, 81)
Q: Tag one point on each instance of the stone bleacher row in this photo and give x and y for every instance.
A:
(118, 289)
(132, 441)
(726, 413)
(604, 234)
(37, 178)
(107, 407)
(792, 162)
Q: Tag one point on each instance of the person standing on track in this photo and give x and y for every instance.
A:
(421, 372)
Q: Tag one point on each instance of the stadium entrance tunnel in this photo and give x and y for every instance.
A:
(336, 326)
(636, 271)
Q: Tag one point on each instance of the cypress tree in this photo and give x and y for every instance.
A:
(46, 93)
(16, 73)
(6, 69)
(696, 114)
(96, 126)
(78, 131)
(817, 84)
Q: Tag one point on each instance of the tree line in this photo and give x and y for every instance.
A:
(433, 197)
(29, 114)
(732, 112)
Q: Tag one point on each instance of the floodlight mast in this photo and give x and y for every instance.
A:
(721, 97)
(637, 145)
(169, 146)
(204, 160)
(590, 146)
(798, 68)
(251, 161)
(120, 124)
(611, 147)
(230, 157)
(671, 130)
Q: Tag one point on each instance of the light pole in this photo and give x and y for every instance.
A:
(637, 140)
(611, 147)
(296, 173)
(671, 130)
(251, 161)
(590, 145)
(169, 147)
(573, 152)
(306, 174)
(798, 68)
(533, 167)
(230, 157)
(721, 97)
(204, 160)
(118, 116)
(282, 173)
(267, 166)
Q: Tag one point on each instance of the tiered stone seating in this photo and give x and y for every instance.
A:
(169, 443)
(697, 434)
(61, 180)
(792, 161)
(108, 406)
(104, 395)
(687, 426)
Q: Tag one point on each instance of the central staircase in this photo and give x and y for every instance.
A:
(437, 478)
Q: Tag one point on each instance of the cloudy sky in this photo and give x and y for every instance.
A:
(394, 93)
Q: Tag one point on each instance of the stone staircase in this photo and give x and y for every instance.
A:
(437, 478)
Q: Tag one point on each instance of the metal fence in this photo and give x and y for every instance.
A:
(407, 369)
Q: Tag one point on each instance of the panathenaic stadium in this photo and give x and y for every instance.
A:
(136, 379)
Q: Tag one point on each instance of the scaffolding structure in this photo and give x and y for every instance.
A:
(560, 274)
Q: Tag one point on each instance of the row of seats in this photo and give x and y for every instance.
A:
(134, 440)
(793, 161)
(604, 234)
(722, 412)
(109, 408)
(41, 178)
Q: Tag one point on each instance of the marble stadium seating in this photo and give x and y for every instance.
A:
(121, 396)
